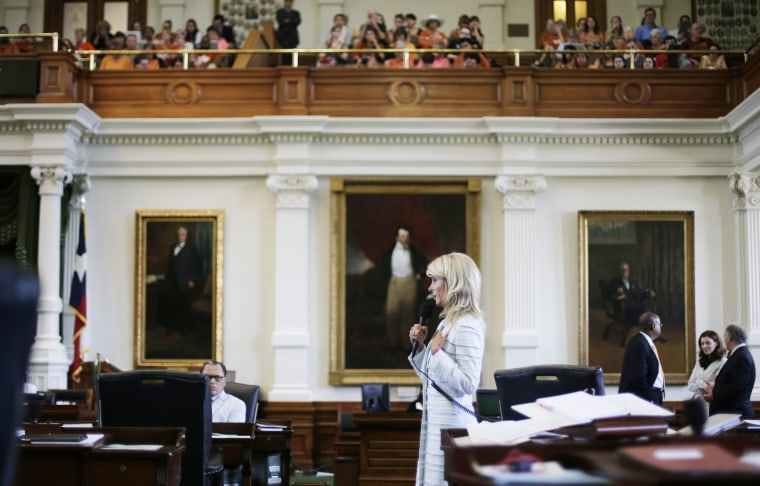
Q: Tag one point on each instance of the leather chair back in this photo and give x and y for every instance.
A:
(19, 292)
(161, 398)
(250, 396)
(527, 384)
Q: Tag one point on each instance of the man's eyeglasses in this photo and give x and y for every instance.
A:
(215, 377)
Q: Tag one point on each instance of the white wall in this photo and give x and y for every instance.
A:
(248, 269)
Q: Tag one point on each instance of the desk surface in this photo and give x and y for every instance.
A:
(96, 464)
(619, 462)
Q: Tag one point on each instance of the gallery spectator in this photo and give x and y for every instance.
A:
(374, 22)
(476, 31)
(116, 61)
(616, 29)
(192, 35)
(591, 36)
(6, 46)
(326, 59)
(696, 43)
(101, 38)
(713, 60)
(288, 20)
(346, 36)
(223, 31)
(431, 34)
(648, 24)
(371, 40)
(412, 30)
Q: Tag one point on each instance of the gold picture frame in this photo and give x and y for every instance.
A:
(657, 248)
(179, 288)
(443, 215)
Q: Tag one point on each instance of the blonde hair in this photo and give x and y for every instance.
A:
(462, 279)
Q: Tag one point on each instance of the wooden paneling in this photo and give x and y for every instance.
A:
(508, 91)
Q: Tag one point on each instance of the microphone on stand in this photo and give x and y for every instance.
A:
(426, 310)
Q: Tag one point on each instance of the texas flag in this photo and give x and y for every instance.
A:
(78, 300)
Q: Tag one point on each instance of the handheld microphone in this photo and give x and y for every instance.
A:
(426, 310)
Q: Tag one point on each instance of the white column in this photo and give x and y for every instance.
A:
(745, 189)
(80, 186)
(48, 365)
(520, 336)
(492, 23)
(291, 338)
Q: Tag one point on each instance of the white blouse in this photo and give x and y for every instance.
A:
(700, 377)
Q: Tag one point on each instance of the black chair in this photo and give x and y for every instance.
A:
(19, 292)
(250, 396)
(527, 384)
(160, 398)
(487, 401)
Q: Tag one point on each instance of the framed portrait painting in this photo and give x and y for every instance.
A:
(633, 262)
(384, 232)
(179, 298)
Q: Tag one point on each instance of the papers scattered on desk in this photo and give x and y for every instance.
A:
(507, 432)
(580, 407)
(541, 473)
(716, 424)
(131, 447)
(266, 426)
(218, 435)
(88, 440)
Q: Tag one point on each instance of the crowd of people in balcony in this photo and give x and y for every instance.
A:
(563, 47)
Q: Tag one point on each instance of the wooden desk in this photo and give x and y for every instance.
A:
(235, 442)
(386, 450)
(599, 458)
(267, 443)
(245, 445)
(95, 465)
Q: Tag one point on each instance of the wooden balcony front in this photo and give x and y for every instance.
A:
(505, 91)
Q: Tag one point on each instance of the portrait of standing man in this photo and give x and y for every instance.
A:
(405, 267)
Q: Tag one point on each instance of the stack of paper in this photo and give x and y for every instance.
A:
(552, 413)
(580, 407)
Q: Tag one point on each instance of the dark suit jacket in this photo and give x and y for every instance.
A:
(184, 267)
(287, 28)
(733, 385)
(640, 368)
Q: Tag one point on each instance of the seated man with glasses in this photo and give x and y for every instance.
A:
(224, 407)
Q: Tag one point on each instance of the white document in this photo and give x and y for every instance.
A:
(507, 432)
(716, 424)
(132, 447)
(580, 407)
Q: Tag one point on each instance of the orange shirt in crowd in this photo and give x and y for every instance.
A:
(116, 62)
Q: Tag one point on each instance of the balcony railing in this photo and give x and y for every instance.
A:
(513, 88)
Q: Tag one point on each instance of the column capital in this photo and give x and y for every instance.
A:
(520, 190)
(80, 185)
(51, 179)
(745, 188)
(292, 189)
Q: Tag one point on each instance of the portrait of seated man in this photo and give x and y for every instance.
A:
(629, 299)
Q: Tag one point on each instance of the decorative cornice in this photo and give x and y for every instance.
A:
(292, 189)
(417, 139)
(604, 139)
(520, 191)
(176, 139)
(291, 137)
(11, 127)
(403, 139)
(746, 190)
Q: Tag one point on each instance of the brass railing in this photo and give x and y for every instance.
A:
(53, 35)
(90, 56)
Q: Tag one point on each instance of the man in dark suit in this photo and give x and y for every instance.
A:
(629, 299)
(183, 283)
(733, 385)
(642, 372)
(288, 20)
